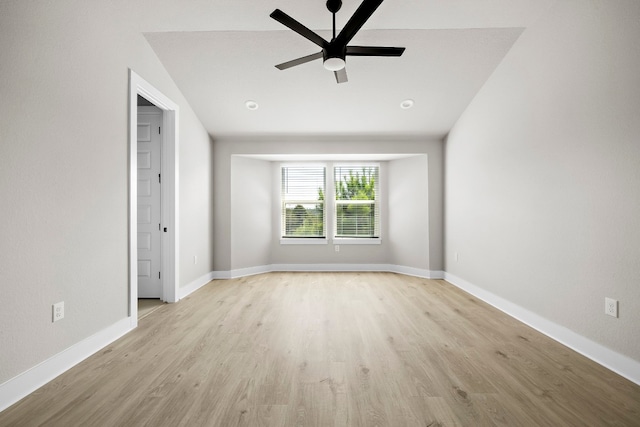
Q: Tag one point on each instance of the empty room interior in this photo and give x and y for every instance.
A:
(357, 213)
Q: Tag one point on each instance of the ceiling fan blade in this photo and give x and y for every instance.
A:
(361, 15)
(299, 61)
(341, 75)
(374, 51)
(288, 21)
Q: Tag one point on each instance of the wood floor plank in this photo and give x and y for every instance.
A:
(332, 349)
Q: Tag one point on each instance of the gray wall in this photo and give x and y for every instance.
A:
(63, 173)
(326, 254)
(543, 174)
(251, 234)
(408, 197)
(229, 162)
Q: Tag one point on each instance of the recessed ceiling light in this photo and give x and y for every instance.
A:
(251, 105)
(407, 103)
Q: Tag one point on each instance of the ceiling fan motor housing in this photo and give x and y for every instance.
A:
(334, 57)
(334, 50)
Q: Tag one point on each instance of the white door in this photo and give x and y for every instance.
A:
(149, 211)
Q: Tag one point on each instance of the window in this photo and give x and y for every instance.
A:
(351, 205)
(303, 214)
(357, 210)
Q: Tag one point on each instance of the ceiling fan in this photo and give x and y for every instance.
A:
(335, 52)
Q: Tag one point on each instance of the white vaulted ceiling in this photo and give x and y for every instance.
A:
(222, 53)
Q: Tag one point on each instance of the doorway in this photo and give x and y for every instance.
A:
(149, 200)
(168, 236)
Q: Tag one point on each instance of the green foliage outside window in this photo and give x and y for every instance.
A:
(356, 219)
(304, 221)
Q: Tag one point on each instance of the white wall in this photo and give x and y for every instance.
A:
(251, 233)
(543, 174)
(63, 173)
(408, 197)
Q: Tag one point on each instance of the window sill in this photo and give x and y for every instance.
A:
(357, 241)
(303, 241)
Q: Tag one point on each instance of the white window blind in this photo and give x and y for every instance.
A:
(303, 189)
(357, 210)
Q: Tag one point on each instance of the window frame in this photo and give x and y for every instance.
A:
(330, 205)
(357, 240)
(303, 240)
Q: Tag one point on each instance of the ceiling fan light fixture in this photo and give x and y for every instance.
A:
(334, 64)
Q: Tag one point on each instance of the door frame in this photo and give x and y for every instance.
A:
(169, 192)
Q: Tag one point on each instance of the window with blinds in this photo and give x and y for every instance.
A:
(303, 189)
(357, 210)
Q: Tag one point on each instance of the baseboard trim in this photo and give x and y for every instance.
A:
(389, 268)
(29, 381)
(249, 271)
(417, 272)
(616, 362)
(193, 286)
(329, 267)
(437, 275)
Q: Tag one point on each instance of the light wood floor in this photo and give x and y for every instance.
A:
(146, 306)
(332, 349)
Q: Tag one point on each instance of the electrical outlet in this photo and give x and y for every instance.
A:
(337, 248)
(195, 259)
(58, 311)
(611, 307)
